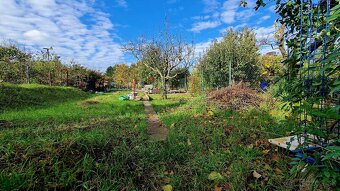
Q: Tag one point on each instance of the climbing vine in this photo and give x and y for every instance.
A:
(313, 80)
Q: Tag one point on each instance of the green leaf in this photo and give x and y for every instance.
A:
(215, 176)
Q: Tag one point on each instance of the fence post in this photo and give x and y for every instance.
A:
(230, 83)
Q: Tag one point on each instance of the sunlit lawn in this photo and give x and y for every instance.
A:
(99, 142)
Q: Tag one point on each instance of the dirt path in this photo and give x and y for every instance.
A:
(156, 128)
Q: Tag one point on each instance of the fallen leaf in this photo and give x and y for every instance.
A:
(210, 113)
(189, 142)
(215, 176)
(167, 187)
(256, 174)
(251, 146)
(167, 180)
(227, 173)
(275, 157)
(278, 171)
(266, 179)
(267, 167)
(218, 188)
(266, 151)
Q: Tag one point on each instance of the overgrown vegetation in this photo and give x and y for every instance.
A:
(226, 150)
(18, 65)
(70, 145)
(235, 58)
(98, 142)
(60, 138)
(312, 80)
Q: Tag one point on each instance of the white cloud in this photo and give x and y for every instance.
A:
(218, 14)
(197, 27)
(231, 4)
(229, 11)
(266, 17)
(36, 36)
(201, 47)
(267, 34)
(228, 17)
(267, 48)
(60, 24)
(251, 3)
(272, 8)
(245, 15)
(211, 5)
(232, 11)
(122, 3)
(237, 27)
(264, 33)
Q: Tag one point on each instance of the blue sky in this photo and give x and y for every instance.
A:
(92, 32)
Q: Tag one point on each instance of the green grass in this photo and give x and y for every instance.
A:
(230, 143)
(68, 144)
(34, 95)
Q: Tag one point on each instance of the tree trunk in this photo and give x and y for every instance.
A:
(66, 77)
(230, 82)
(50, 78)
(281, 43)
(164, 93)
(27, 73)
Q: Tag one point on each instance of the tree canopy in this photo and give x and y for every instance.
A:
(20, 66)
(236, 54)
(164, 54)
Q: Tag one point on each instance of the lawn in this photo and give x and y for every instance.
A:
(231, 145)
(94, 141)
(85, 141)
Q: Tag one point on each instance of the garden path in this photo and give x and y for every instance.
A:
(156, 128)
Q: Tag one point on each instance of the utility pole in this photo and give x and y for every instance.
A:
(48, 52)
(48, 60)
(27, 71)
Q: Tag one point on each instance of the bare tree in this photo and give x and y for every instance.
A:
(163, 54)
(279, 36)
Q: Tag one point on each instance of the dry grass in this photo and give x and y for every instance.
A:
(89, 102)
(236, 97)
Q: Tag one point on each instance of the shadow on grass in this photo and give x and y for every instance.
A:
(160, 107)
